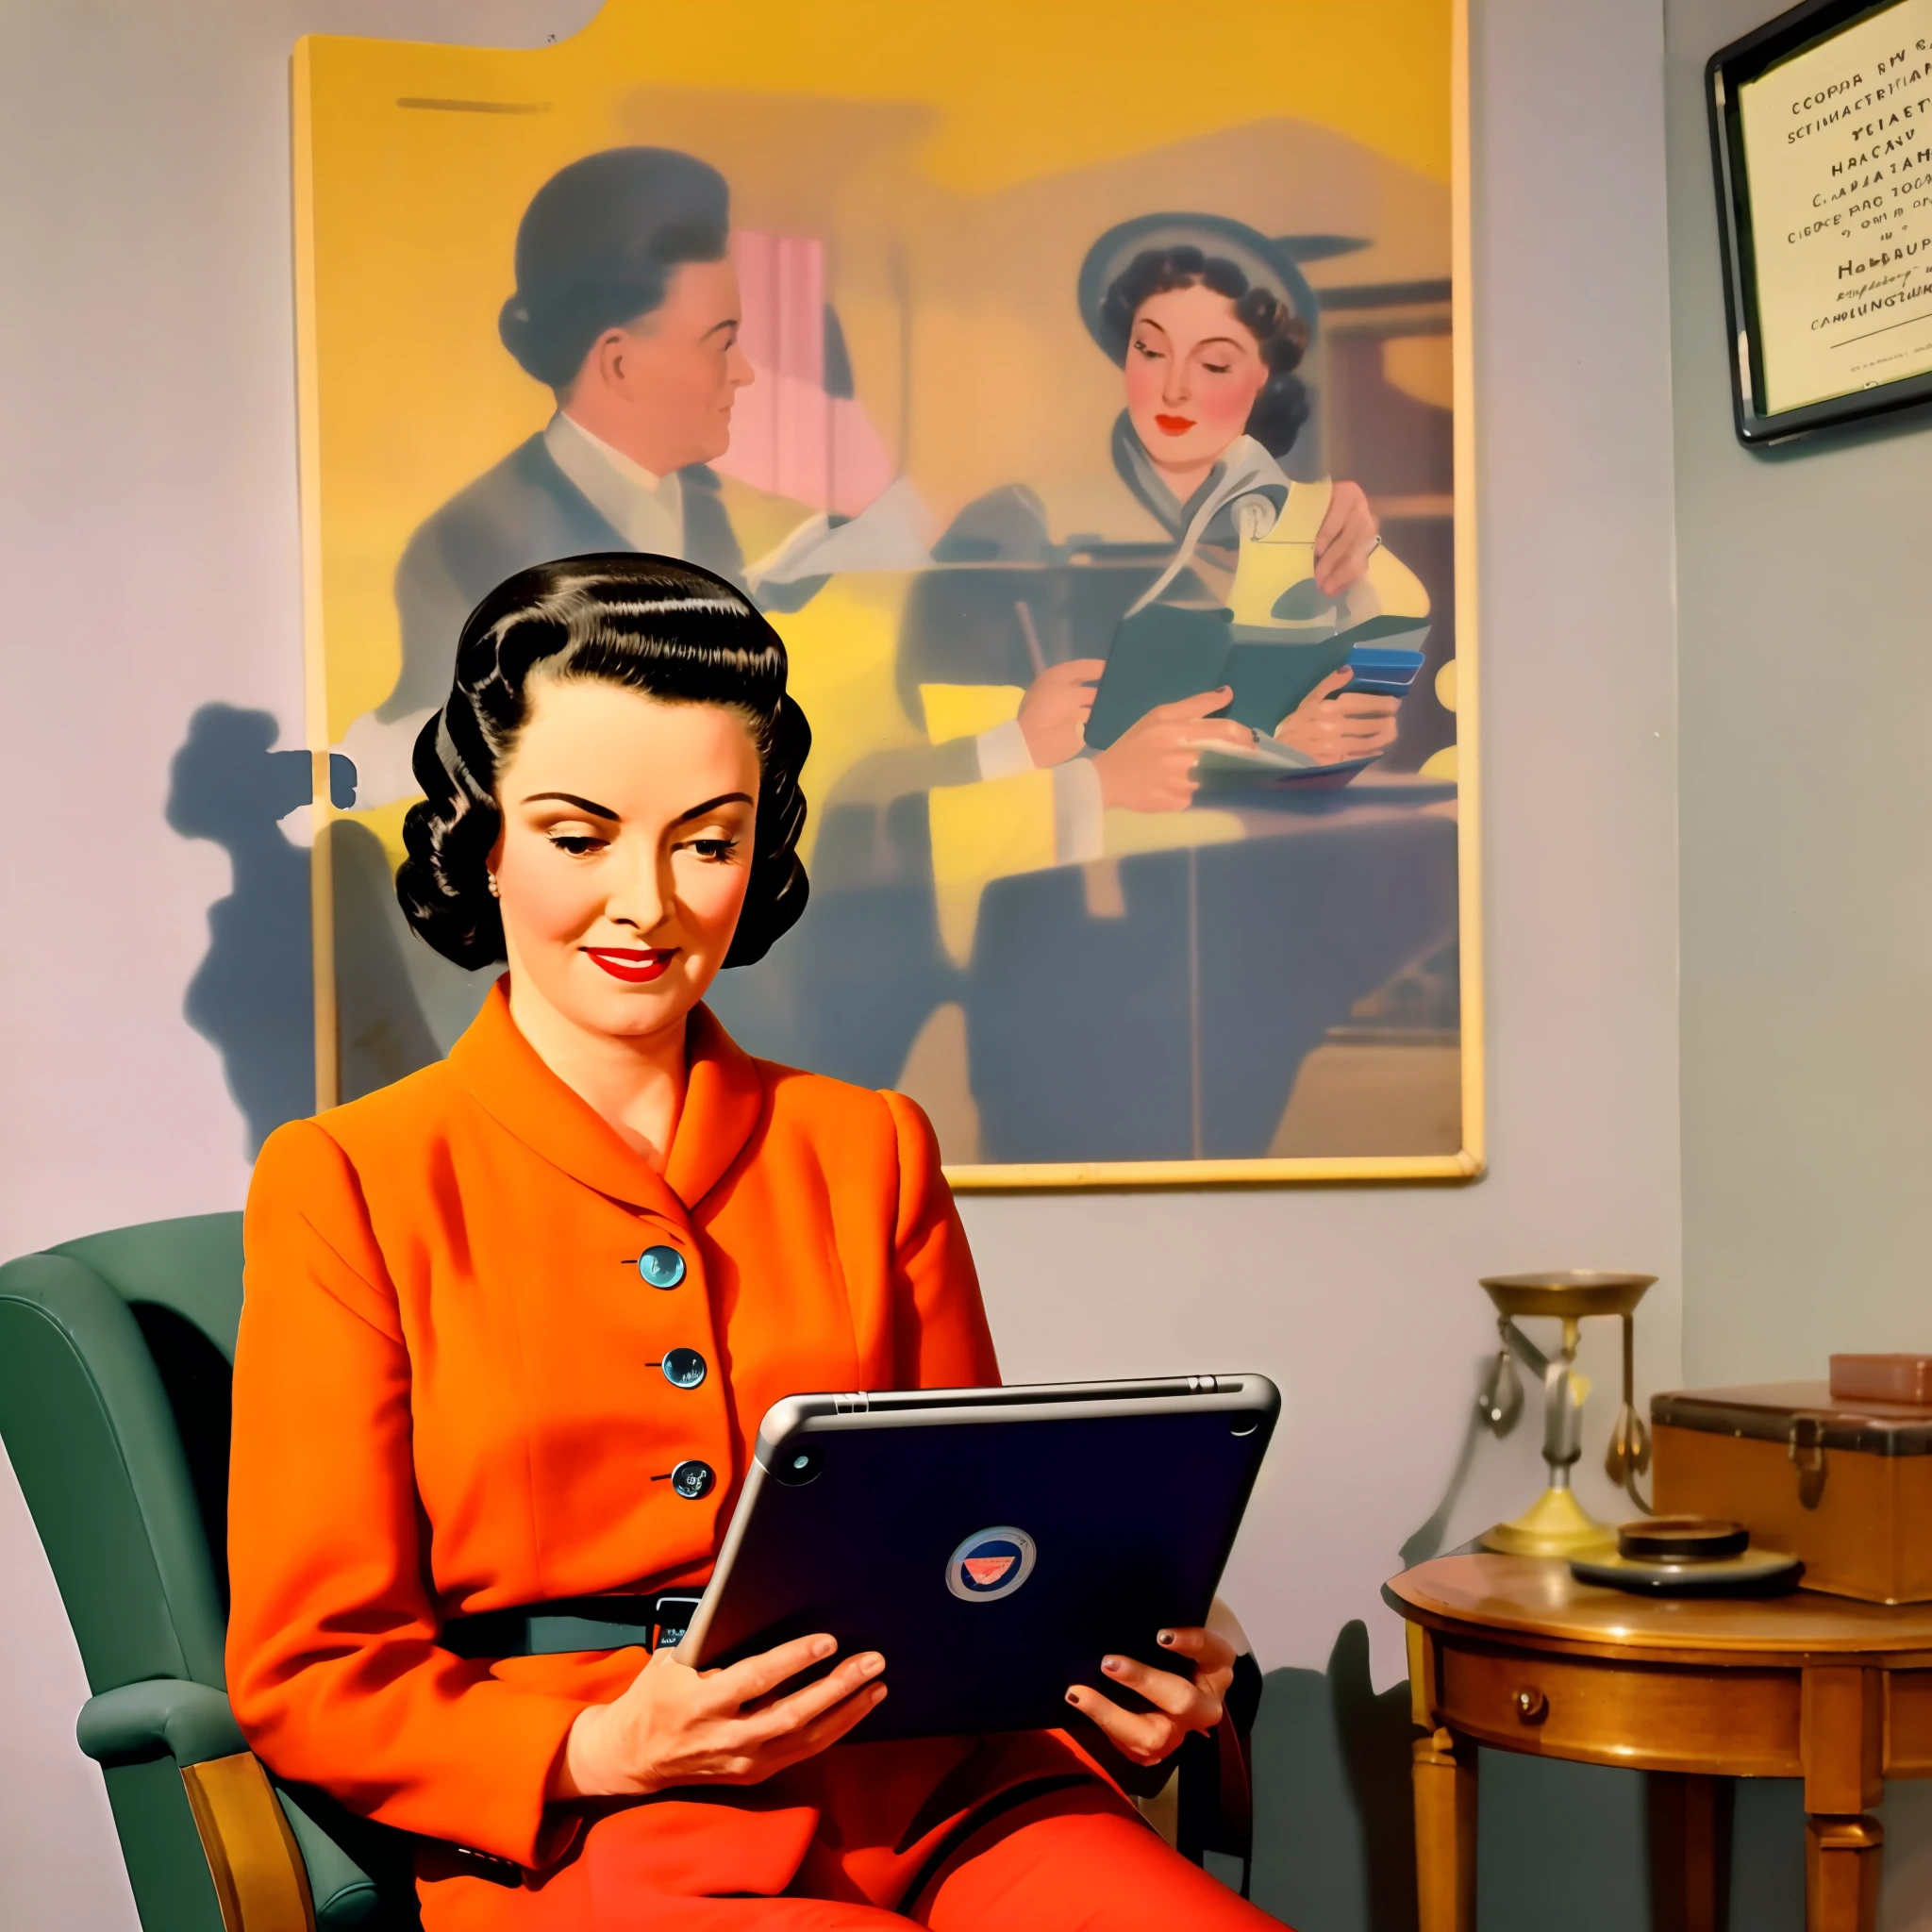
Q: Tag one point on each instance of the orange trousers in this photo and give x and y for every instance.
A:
(1019, 1836)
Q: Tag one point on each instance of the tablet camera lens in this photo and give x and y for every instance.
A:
(797, 1463)
(1244, 1426)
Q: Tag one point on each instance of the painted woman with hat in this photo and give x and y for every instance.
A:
(1208, 320)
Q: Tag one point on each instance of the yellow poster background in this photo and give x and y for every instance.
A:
(949, 147)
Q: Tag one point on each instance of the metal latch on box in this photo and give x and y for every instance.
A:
(1807, 1457)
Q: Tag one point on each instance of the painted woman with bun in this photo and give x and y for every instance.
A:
(512, 1322)
(1209, 321)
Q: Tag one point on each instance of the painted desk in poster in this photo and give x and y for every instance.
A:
(1514, 1652)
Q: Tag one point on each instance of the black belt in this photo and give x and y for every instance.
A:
(570, 1623)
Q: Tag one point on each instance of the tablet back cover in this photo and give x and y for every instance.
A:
(992, 1565)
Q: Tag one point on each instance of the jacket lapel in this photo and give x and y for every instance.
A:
(723, 1102)
(584, 526)
(504, 1074)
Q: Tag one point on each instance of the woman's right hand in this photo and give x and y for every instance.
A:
(1150, 767)
(1053, 712)
(677, 1725)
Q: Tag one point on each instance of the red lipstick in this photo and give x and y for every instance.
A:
(1173, 425)
(634, 965)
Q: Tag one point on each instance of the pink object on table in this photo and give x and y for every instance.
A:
(787, 435)
(1906, 1379)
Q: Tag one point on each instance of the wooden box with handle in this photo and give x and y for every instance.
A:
(1844, 1485)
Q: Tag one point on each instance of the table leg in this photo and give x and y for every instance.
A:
(1840, 1723)
(1841, 1860)
(1445, 1794)
(1689, 1822)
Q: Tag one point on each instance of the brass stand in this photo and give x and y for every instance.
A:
(1556, 1524)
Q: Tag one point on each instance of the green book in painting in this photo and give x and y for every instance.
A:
(1271, 674)
(1159, 656)
(1169, 651)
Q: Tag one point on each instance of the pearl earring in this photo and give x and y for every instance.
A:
(495, 890)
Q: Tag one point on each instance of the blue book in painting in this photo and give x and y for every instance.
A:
(1385, 655)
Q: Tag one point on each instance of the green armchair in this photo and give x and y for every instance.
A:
(115, 1403)
(115, 1365)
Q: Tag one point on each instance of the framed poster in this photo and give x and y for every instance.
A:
(1821, 128)
(1040, 379)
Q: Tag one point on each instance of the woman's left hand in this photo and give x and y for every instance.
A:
(1180, 1704)
(1346, 539)
(1332, 726)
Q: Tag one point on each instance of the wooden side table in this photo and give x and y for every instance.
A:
(1514, 1653)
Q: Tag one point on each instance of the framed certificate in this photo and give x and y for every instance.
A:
(1821, 128)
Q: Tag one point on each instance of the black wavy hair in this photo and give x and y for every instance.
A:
(599, 246)
(1282, 407)
(651, 625)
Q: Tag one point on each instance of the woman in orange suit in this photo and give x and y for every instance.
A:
(511, 1324)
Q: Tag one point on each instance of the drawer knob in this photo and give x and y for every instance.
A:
(1532, 1706)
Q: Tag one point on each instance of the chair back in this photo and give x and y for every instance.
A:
(115, 1354)
(116, 1365)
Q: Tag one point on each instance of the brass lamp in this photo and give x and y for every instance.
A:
(1556, 1524)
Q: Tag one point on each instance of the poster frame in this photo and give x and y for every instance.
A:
(1468, 1160)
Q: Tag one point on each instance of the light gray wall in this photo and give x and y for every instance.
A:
(149, 459)
(1804, 685)
(149, 547)
(1806, 697)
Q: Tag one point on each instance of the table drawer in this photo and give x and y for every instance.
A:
(1651, 1717)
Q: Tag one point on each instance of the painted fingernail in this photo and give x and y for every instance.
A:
(824, 1647)
(1073, 1697)
(1167, 1636)
(1112, 1663)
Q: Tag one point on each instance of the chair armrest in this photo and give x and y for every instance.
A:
(165, 1716)
(256, 1838)
(344, 1894)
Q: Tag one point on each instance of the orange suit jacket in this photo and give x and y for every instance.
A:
(447, 1397)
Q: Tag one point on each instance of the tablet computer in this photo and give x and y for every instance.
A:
(992, 1544)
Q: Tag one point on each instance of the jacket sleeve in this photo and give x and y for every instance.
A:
(942, 1338)
(334, 1668)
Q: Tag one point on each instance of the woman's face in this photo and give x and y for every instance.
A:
(625, 852)
(1194, 371)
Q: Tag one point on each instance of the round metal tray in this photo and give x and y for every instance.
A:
(1757, 1573)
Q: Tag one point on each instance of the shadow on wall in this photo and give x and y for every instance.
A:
(382, 1029)
(1333, 1831)
(1560, 1845)
(253, 995)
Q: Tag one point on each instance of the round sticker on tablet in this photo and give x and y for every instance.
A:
(990, 1564)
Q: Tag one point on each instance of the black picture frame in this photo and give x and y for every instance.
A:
(1801, 28)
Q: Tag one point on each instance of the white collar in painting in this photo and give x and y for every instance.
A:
(647, 510)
